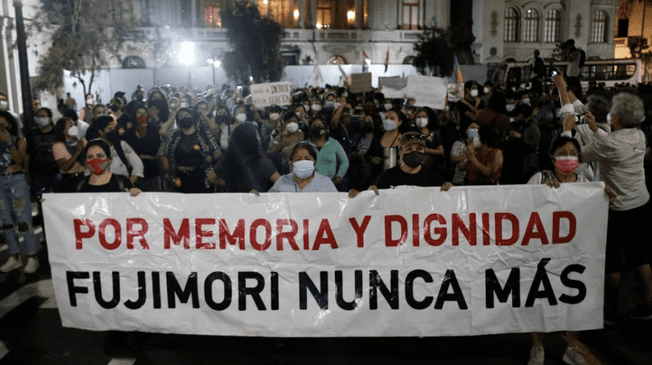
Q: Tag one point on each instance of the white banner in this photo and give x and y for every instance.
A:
(273, 93)
(428, 91)
(408, 262)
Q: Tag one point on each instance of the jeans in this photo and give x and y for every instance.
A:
(16, 213)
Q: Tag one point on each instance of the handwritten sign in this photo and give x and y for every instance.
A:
(273, 93)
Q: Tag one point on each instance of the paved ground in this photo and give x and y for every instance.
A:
(31, 333)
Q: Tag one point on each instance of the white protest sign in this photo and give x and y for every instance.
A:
(407, 262)
(428, 91)
(273, 93)
(393, 87)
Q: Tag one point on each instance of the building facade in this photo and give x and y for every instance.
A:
(341, 31)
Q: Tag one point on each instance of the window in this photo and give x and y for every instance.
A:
(511, 25)
(531, 25)
(411, 14)
(324, 16)
(552, 32)
(212, 17)
(286, 12)
(623, 28)
(598, 27)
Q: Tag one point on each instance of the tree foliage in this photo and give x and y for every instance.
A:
(637, 44)
(86, 35)
(255, 43)
(436, 49)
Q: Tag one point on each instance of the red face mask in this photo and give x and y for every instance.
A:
(98, 165)
(567, 164)
(142, 119)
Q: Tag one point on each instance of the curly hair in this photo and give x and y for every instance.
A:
(628, 108)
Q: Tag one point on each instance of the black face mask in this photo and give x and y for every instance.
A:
(113, 136)
(185, 123)
(223, 119)
(413, 159)
(316, 132)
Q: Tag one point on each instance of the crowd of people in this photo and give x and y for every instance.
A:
(329, 139)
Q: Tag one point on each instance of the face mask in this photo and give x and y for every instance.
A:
(184, 105)
(388, 106)
(4, 105)
(474, 93)
(472, 133)
(241, 117)
(42, 121)
(526, 101)
(336, 105)
(90, 101)
(316, 107)
(113, 136)
(609, 119)
(142, 119)
(486, 90)
(72, 131)
(389, 125)
(98, 165)
(567, 164)
(299, 114)
(306, 107)
(413, 159)
(303, 169)
(510, 107)
(329, 104)
(274, 116)
(174, 106)
(292, 127)
(476, 142)
(185, 123)
(422, 122)
(316, 132)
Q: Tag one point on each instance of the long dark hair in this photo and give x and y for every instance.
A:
(60, 129)
(241, 157)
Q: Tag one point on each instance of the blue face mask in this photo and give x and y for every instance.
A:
(389, 125)
(510, 107)
(303, 169)
(472, 133)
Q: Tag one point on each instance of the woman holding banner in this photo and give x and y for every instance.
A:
(303, 177)
(565, 157)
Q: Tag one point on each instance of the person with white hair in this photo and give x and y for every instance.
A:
(621, 154)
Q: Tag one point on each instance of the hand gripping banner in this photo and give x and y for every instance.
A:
(407, 262)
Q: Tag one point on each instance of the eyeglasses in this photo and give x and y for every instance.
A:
(413, 137)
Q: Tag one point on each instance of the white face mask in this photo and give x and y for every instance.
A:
(336, 105)
(306, 107)
(4, 105)
(241, 117)
(316, 107)
(388, 106)
(72, 131)
(292, 127)
(390, 125)
(474, 93)
(42, 121)
(422, 122)
(486, 90)
(303, 169)
(274, 116)
(609, 119)
(90, 101)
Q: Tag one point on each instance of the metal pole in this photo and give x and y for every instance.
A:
(28, 111)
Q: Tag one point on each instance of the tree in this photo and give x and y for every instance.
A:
(86, 34)
(637, 44)
(436, 49)
(256, 45)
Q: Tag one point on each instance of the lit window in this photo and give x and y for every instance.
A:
(212, 16)
(531, 25)
(411, 14)
(598, 27)
(553, 27)
(511, 25)
(324, 16)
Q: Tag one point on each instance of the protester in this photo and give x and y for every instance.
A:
(146, 141)
(458, 154)
(15, 207)
(470, 105)
(303, 177)
(565, 155)
(485, 162)
(366, 160)
(621, 155)
(332, 161)
(244, 167)
(68, 153)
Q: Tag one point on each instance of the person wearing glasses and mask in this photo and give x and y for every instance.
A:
(410, 169)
